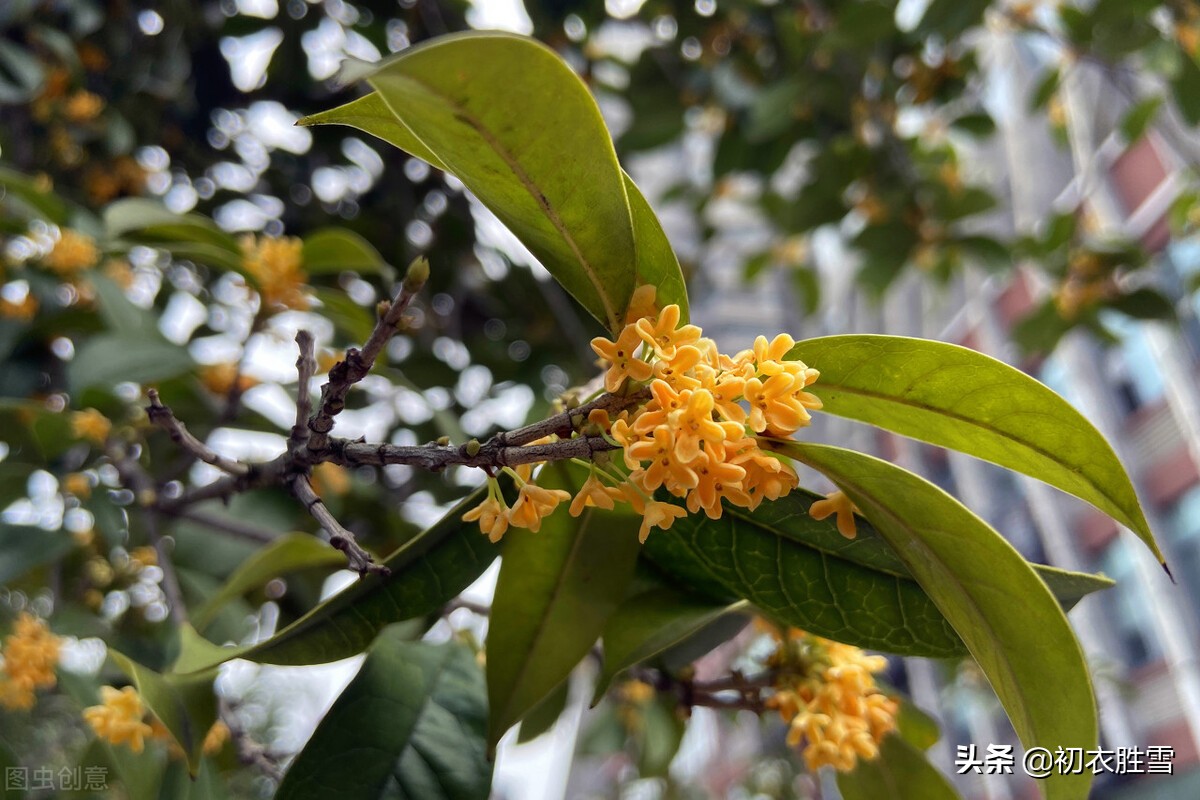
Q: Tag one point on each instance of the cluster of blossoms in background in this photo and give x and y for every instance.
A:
(826, 693)
(696, 436)
(121, 718)
(31, 653)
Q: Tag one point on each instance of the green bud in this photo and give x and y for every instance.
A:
(472, 448)
(417, 274)
(443, 440)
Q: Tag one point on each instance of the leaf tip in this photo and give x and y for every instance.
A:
(1167, 570)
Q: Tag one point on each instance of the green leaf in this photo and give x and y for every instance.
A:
(543, 716)
(410, 725)
(185, 705)
(288, 553)
(656, 262)
(332, 250)
(555, 592)
(658, 737)
(24, 547)
(1186, 87)
(184, 235)
(120, 314)
(486, 105)
(112, 358)
(650, 622)
(918, 728)
(949, 18)
(802, 572)
(1138, 118)
(1144, 303)
(1045, 89)
(8, 760)
(427, 572)
(351, 319)
(961, 399)
(977, 579)
(900, 772)
(21, 73)
(24, 189)
(978, 124)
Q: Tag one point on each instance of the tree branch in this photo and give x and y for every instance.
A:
(161, 416)
(358, 363)
(360, 560)
(306, 367)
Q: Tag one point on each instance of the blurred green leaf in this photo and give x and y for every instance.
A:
(1186, 87)
(333, 250)
(543, 716)
(900, 772)
(650, 622)
(24, 547)
(1045, 89)
(109, 359)
(1138, 118)
(976, 578)
(27, 191)
(288, 553)
(958, 398)
(1144, 303)
(21, 73)
(410, 725)
(555, 592)
(949, 18)
(977, 124)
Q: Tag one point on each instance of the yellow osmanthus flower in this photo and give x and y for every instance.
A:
(276, 266)
(214, 740)
(118, 719)
(22, 310)
(83, 106)
(826, 692)
(72, 253)
(220, 378)
(31, 653)
(837, 503)
(330, 480)
(78, 484)
(90, 424)
(695, 435)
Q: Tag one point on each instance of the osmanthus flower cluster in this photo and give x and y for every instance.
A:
(826, 692)
(696, 437)
(122, 718)
(31, 653)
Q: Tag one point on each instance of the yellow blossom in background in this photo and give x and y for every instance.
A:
(826, 693)
(330, 479)
(219, 378)
(836, 503)
(276, 267)
(118, 719)
(159, 733)
(144, 556)
(119, 272)
(90, 424)
(22, 311)
(83, 106)
(31, 653)
(72, 253)
(216, 738)
(77, 484)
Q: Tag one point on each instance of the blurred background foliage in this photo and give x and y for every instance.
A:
(143, 142)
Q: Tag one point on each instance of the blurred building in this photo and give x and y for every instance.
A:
(1141, 637)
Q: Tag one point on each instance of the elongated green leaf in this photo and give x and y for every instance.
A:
(801, 571)
(148, 220)
(555, 591)
(650, 622)
(24, 547)
(413, 718)
(544, 714)
(656, 261)
(286, 554)
(516, 125)
(112, 358)
(427, 572)
(332, 250)
(1004, 613)
(120, 314)
(901, 772)
(186, 705)
(958, 398)
(24, 189)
